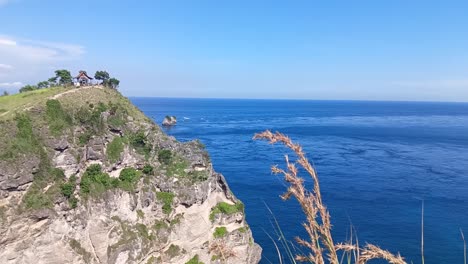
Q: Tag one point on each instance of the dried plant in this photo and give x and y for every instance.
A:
(221, 249)
(318, 226)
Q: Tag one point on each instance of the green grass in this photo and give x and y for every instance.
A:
(24, 141)
(167, 198)
(225, 208)
(243, 229)
(57, 118)
(194, 260)
(220, 232)
(36, 197)
(177, 167)
(18, 102)
(115, 149)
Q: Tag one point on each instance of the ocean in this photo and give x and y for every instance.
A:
(377, 162)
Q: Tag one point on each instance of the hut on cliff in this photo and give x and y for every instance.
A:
(83, 79)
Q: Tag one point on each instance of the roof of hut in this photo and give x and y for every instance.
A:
(83, 74)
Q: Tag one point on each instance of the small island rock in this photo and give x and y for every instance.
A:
(169, 121)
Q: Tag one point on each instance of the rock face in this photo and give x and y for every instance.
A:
(169, 121)
(151, 199)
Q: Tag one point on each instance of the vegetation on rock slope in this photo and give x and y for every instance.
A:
(117, 151)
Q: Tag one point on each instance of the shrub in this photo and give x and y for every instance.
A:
(220, 232)
(194, 260)
(84, 138)
(57, 118)
(148, 169)
(140, 214)
(91, 118)
(24, 142)
(73, 202)
(128, 175)
(115, 149)
(94, 181)
(167, 199)
(138, 142)
(158, 225)
(165, 156)
(225, 208)
(128, 178)
(173, 250)
(58, 174)
(67, 189)
(143, 231)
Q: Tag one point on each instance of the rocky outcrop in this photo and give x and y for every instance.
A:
(169, 121)
(168, 212)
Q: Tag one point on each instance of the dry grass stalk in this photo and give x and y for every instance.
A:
(318, 226)
(221, 249)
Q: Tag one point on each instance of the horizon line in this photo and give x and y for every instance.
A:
(298, 99)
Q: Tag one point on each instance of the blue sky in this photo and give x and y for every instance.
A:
(361, 50)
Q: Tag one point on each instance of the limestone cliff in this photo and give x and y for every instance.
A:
(85, 177)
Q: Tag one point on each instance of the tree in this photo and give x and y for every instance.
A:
(64, 77)
(53, 81)
(43, 84)
(114, 83)
(28, 88)
(5, 93)
(103, 76)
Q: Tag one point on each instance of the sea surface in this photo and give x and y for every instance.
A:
(377, 162)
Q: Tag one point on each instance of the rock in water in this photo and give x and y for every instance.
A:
(169, 121)
(73, 190)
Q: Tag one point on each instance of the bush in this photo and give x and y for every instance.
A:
(94, 181)
(138, 142)
(67, 189)
(148, 169)
(24, 142)
(220, 232)
(173, 250)
(57, 118)
(167, 199)
(73, 202)
(128, 178)
(128, 175)
(84, 138)
(225, 208)
(194, 260)
(115, 149)
(165, 156)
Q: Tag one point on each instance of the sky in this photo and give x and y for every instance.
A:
(326, 50)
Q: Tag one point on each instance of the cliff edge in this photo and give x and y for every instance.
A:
(85, 177)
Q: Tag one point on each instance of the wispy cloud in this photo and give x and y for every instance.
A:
(4, 2)
(38, 51)
(5, 67)
(11, 84)
(25, 60)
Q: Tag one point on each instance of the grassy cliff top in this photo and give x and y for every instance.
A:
(70, 98)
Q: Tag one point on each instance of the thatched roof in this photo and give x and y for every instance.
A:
(83, 74)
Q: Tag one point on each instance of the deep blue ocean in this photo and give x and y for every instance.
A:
(377, 162)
